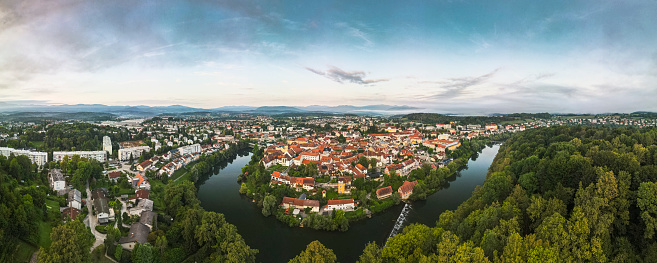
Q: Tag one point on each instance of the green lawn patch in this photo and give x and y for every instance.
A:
(24, 251)
(52, 204)
(44, 234)
(177, 174)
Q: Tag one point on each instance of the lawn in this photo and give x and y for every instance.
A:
(177, 174)
(52, 204)
(24, 251)
(44, 234)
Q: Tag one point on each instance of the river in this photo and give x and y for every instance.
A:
(279, 243)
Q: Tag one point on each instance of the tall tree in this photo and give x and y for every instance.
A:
(71, 242)
(315, 252)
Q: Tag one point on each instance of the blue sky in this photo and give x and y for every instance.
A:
(442, 56)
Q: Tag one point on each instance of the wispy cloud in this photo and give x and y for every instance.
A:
(453, 87)
(341, 76)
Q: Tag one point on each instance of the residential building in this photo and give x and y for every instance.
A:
(107, 144)
(70, 213)
(56, 179)
(75, 199)
(142, 205)
(341, 204)
(302, 204)
(406, 189)
(383, 193)
(100, 156)
(38, 158)
(135, 152)
(138, 235)
(148, 218)
(104, 213)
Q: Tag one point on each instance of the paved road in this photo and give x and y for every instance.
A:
(92, 221)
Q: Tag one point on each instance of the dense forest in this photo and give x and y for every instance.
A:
(80, 137)
(559, 194)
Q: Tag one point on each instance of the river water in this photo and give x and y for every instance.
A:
(279, 243)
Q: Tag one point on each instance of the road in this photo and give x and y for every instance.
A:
(92, 221)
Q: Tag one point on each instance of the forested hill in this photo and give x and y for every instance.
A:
(559, 194)
(433, 118)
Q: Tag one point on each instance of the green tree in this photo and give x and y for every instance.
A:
(647, 202)
(315, 252)
(118, 253)
(71, 242)
(371, 254)
(143, 253)
(269, 205)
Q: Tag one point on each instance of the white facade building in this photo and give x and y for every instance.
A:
(124, 154)
(39, 158)
(107, 144)
(100, 156)
(56, 179)
(194, 148)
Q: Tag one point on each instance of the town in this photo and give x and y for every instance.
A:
(110, 175)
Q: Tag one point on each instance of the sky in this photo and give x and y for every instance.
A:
(441, 56)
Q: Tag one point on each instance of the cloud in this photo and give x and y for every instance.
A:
(338, 75)
(454, 87)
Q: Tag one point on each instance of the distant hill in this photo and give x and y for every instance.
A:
(50, 116)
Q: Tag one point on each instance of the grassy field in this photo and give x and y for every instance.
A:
(44, 234)
(52, 204)
(178, 173)
(24, 252)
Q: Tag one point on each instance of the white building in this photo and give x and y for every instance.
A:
(56, 179)
(39, 158)
(75, 199)
(124, 154)
(100, 156)
(194, 148)
(341, 204)
(107, 144)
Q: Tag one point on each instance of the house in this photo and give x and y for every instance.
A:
(144, 165)
(341, 204)
(70, 213)
(289, 202)
(142, 205)
(114, 175)
(141, 194)
(75, 199)
(344, 183)
(104, 212)
(148, 218)
(56, 179)
(406, 189)
(140, 181)
(138, 234)
(383, 193)
(361, 168)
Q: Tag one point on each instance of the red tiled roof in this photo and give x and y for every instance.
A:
(383, 191)
(407, 187)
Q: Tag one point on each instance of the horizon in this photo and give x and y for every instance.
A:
(467, 57)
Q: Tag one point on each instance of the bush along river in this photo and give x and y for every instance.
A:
(278, 242)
